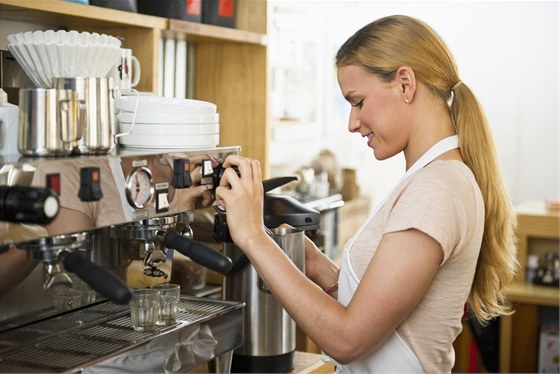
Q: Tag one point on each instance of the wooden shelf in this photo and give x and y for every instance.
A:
(526, 293)
(519, 332)
(199, 32)
(62, 13)
(230, 64)
(59, 13)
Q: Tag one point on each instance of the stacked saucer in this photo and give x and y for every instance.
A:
(154, 122)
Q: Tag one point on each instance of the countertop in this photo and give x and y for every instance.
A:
(305, 363)
(311, 363)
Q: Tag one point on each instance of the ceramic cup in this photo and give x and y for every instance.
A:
(126, 71)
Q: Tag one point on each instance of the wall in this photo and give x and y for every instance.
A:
(507, 52)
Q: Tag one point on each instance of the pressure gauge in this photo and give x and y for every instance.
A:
(139, 187)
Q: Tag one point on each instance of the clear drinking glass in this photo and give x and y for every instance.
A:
(169, 294)
(144, 309)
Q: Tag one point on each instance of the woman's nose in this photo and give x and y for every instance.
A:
(353, 124)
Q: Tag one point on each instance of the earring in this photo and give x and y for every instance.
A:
(406, 100)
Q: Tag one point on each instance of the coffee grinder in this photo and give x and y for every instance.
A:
(269, 332)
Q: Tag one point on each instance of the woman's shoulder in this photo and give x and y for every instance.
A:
(451, 178)
(446, 171)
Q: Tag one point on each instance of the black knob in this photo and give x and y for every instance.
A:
(181, 173)
(219, 172)
(28, 204)
(90, 184)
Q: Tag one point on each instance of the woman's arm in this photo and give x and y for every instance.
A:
(392, 285)
(319, 268)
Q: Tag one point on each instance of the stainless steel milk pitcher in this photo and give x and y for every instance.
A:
(48, 122)
(292, 242)
(97, 114)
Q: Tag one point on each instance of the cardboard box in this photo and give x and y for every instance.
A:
(188, 10)
(219, 12)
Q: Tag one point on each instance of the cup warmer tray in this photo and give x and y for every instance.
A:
(80, 338)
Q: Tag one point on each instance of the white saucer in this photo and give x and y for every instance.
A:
(169, 130)
(169, 142)
(158, 104)
(168, 118)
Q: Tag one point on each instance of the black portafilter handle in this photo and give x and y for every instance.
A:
(198, 252)
(28, 204)
(98, 278)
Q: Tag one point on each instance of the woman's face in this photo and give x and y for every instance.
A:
(377, 110)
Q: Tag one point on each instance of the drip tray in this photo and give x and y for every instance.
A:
(80, 338)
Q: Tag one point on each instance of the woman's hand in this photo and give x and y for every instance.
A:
(242, 197)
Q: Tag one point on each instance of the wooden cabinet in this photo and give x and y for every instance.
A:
(538, 232)
(230, 64)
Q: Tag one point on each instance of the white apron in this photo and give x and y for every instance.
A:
(394, 355)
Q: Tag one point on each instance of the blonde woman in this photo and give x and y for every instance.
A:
(442, 238)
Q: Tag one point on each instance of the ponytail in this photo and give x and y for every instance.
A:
(497, 262)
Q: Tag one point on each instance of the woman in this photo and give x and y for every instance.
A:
(442, 238)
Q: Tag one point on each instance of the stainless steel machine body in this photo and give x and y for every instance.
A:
(121, 219)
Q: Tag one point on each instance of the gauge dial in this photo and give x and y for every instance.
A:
(139, 187)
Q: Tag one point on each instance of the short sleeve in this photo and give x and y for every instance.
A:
(439, 201)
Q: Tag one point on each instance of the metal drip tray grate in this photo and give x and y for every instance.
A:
(83, 337)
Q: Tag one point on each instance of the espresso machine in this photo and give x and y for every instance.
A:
(109, 223)
(269, 332)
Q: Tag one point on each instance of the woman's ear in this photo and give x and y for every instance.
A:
(407, 81)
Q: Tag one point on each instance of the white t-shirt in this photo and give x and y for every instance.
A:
(444, 201)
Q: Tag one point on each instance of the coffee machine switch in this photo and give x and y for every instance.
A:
(181, 173)
(207, 172)
(53, 182)
(90, 184)
(162, 197)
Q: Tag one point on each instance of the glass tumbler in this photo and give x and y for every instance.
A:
(169, 294)
(144, 309)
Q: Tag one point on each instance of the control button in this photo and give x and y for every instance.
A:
(53, 182)
(207, 172)
(90, 184)
(181, 173)
(162, 197)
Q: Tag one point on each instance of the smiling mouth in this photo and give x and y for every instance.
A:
(369, 138)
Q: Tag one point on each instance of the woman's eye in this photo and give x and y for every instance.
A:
(360, 104)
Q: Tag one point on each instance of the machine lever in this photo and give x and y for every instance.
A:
(272, 183)
(98, 278)
(199, 253)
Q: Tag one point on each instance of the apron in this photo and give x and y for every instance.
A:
(394, 355)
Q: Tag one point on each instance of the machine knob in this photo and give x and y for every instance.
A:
(90, 184)
(28, 204)
(181, 173)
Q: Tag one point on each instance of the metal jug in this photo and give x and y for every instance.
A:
(48, 122)
(292, 242)
(269, 332)
(96, 120)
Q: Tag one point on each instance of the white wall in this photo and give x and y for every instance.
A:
(507, 52)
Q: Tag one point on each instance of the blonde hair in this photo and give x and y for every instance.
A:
(381, 47)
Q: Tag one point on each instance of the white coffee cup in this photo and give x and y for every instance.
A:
(126, 71)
